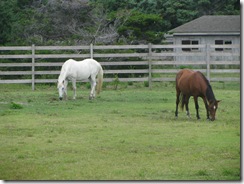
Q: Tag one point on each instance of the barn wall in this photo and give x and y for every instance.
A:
(177, 40)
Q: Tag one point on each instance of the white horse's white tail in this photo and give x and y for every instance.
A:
(100, 80)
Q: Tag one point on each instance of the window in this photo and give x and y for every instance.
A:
(190, 42)
(228, 42)
(223, 42)
(194, 42)
(219, 42)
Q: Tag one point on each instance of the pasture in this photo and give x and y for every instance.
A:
(125, 134)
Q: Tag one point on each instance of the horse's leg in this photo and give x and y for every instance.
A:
(196, 106)
(206, 106)
(177, 102)
(187, 108)
(74, 88)
(93, 87)
(65, 89)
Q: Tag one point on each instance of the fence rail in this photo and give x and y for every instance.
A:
(42, 64)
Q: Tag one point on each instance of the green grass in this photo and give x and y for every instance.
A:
(125, 134)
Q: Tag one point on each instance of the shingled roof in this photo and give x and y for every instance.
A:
(211, 24)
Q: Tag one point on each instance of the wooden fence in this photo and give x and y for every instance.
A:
(126, 63)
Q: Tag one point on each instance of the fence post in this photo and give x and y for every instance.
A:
(33, 66)
(208, 60)
(91, 51)
(150, 65)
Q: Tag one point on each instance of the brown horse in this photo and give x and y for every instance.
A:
(190, 83)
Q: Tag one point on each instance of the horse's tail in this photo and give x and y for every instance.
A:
(100, 80)
(181, 96)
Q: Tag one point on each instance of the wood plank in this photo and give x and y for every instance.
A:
(115, 63)
(15, 64)
(178, 54)
(49, 64)
(141, 79)
(121, 63)
(62, 47)
(104, 47)
(163, 79)
(44, 56)
(14, 81)
(15, 73)
(120, 55)
(173, 71)
(125, 71)
(176, 46)
(20, 56)
(225, 63)
(47, 72)
(226, 79)
(225, 71)
(11, 48)
(178, 63)
(46, 80)
(165, 70)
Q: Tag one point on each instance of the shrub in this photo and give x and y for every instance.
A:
(15, 106)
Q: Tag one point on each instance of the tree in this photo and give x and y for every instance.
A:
(143, 28)
(45, 22)
(7, 8)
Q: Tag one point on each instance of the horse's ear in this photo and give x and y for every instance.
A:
(219, 101)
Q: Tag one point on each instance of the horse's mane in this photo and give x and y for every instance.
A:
(63, 71)
(209, 91)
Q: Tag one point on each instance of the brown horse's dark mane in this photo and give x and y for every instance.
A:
(209, 91)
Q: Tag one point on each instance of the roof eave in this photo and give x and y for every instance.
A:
(207, 34)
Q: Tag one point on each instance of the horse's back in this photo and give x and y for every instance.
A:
(73, 64)
(91, 63)
(81, 69)
(183, 76)
(190, 82)
(89, 60)
(67, 63)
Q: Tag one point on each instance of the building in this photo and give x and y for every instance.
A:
(209, 29)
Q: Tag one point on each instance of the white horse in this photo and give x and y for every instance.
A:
(80, 70)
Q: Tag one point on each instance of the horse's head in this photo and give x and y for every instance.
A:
(60, 89)
(212, 107)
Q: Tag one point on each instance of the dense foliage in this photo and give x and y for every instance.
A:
(46, 22)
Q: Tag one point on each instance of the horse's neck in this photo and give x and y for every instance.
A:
(62, 76)
(209, 93)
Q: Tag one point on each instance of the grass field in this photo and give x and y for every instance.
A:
(125, 134)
